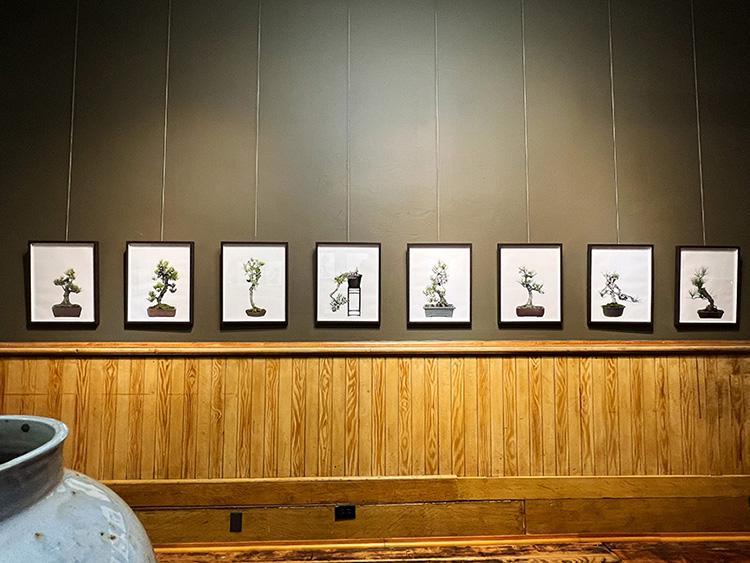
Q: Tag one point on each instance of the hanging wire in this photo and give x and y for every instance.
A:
(348, 122)
(525, 121)
(437, 127)
(72, 122)
(257, 120)
(614, 127)
(698, 122)
(166, 114)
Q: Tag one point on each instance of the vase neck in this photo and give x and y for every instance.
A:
(31, 463)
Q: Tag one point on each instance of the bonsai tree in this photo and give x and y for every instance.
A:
(353, 279)
(67, 283)
(531, 286)
(437, 305)
(165, 277)
(253, 271)
(699, 291)
(611, 288)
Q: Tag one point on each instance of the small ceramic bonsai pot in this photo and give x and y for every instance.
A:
(161, 311)
(436, 311)
(354, 280)
(532, 311)
(61, 310)
(48, 513)
(708, 313)
(613, 309)
(257, 312)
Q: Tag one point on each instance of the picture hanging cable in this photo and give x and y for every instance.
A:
(437, 127)
(72, 122)
(614, 127)
(166, 113)
(257, 120)
(698, 122)
(525, 121)
(348, 122)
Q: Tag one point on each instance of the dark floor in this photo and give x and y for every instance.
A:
(580, 552)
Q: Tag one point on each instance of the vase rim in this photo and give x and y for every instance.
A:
(60, 433)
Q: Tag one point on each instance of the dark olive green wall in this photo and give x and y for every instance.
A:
(302, 144)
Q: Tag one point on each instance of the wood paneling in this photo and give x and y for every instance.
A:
(470, 415)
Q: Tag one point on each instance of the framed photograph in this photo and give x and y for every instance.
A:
(254, 284)
(707, 286)
(62, 284)
(529, 290)
(438, 281)
(159, 284)
(347, 284)
(621, 285)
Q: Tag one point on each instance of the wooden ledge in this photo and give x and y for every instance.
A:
(376, 348)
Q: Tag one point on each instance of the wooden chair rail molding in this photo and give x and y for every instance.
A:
(376, 348)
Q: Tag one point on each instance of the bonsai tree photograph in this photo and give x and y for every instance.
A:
(253, 270)
(613, 308)
(65, 308)
(347, 284)
(353, 281)
(165, 277)
(699, 291)
(437, 305)
(528, 309)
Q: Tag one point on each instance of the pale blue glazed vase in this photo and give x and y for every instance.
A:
(48, 513)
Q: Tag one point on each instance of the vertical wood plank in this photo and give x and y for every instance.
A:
(687, 414)
(351, 421)
(54, 386)
(231, 417)
(244, 417)
(574, 416)
(299, 396)
(378, 417)
(94, 417)
(736, 393)
(664, 455)
(585, 397)
(392, 409)
(163, 418)
(674, 435)
(470, 415)
(312, 382)
(548, 408)
(203, 424)
(624, 414)
(649, 432)
(536, 417)
(109, 412)
(562, 461)
(365, 422)
(404, 417)
(484, 418)
(338, 418)
(702, 449)
(432, 462)
(284, 418)
(324, 417)
(271, 416)
(135, 417)
(458, 431)
(497, 434)
(712, 416)
(258, 418)
(510, 416)
(445, 415)
(418, 415)
(612, 422)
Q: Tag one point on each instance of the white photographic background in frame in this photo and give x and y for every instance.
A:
(50, 261)
(457, 289)
(142, 261)
(270, 294)
(721, 280)
(635, 267)
(547, 263)
(333, 260)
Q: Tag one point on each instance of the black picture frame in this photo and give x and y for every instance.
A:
(252, 324)
(439, 324)
(543, 324)
(156, 324)
(28, 282)
(347, 323)
(619, 325)
(707, 326)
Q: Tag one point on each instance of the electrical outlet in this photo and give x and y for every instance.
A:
(235, 522)
(345, 512)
